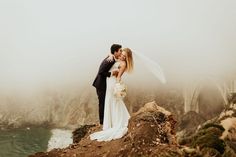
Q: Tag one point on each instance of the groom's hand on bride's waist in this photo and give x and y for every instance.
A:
(114, 73)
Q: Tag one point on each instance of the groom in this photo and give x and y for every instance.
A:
(103, 72)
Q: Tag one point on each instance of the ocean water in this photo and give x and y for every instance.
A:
(23, 142)
(26, 141)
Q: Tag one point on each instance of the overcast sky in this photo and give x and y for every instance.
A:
(59, 41)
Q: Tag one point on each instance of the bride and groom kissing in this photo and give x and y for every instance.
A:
(113, 114)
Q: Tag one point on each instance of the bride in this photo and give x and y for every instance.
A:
(116, 115)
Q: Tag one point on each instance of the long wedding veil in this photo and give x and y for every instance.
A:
(151, 65)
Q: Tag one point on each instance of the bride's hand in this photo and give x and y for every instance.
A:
(110, 58)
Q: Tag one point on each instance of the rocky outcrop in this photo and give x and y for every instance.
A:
(215, 137)
(188, 125)
(151, 132)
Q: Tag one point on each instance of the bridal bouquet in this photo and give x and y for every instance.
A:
(120, 90)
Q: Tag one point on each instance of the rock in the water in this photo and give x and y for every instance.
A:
(80, 132)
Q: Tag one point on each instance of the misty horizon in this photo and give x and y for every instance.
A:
(54, 43)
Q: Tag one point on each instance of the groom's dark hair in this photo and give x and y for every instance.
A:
(115, 47)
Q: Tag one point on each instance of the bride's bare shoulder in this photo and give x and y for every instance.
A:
(122, 63)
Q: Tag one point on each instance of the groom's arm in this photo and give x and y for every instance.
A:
(105, 67)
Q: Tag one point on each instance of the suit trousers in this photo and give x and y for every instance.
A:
(101, 98)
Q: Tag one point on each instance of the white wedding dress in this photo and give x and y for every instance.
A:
(116, 115)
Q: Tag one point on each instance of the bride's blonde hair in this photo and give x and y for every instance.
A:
(129, 60)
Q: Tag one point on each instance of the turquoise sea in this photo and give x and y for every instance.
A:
(23, 142)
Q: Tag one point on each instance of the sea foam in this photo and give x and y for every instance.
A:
(60, 139)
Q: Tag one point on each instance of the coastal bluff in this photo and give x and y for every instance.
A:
(152, 133)
(150, 130)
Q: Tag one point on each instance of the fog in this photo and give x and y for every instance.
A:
(49, 43)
